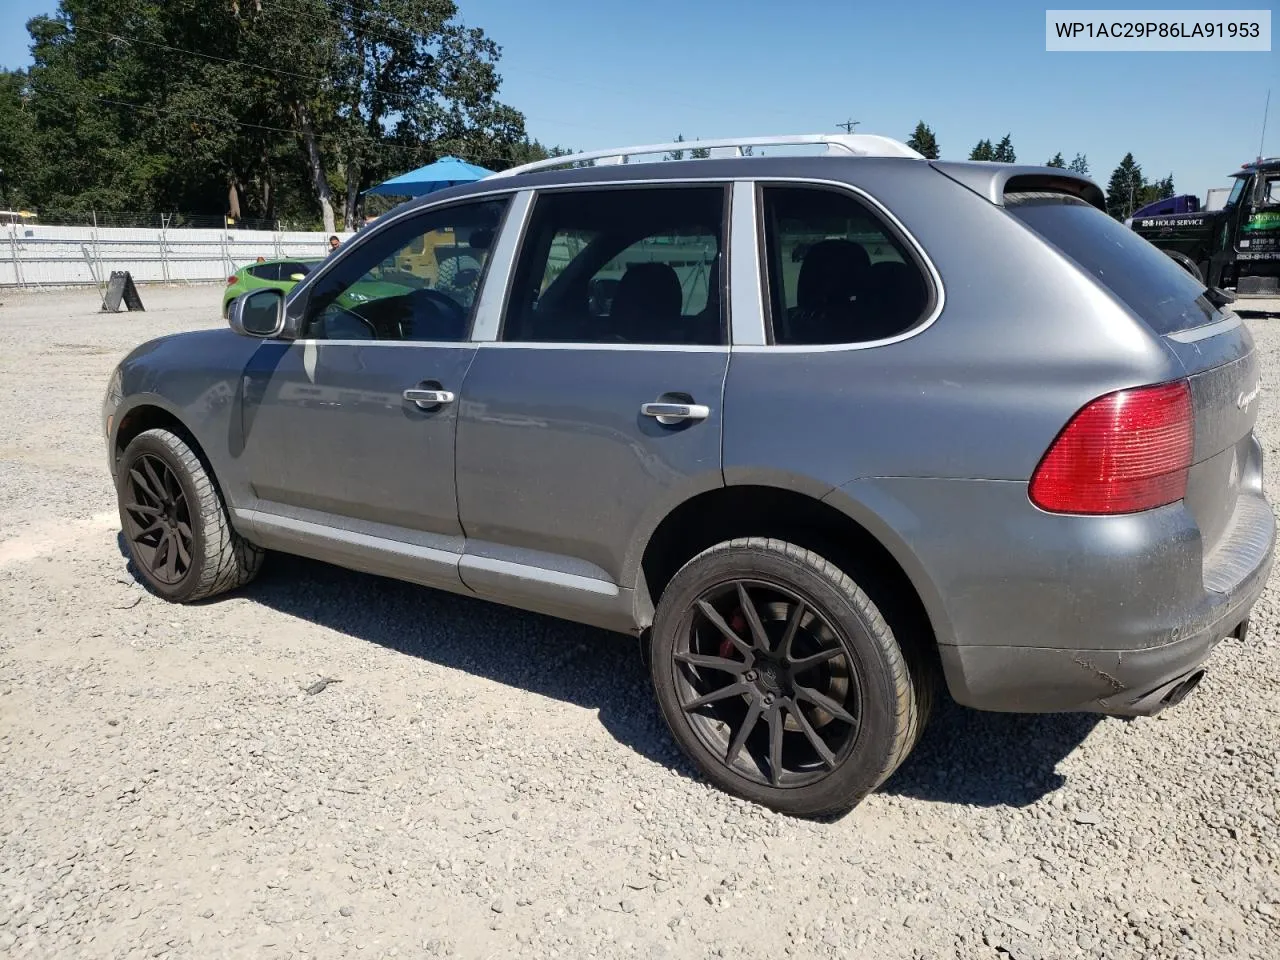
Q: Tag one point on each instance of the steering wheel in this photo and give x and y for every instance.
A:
(445, 313)
(449, 304)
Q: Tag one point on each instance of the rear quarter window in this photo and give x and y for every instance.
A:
(1150, 283)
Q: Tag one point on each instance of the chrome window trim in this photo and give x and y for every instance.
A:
(436, 344)
(907, 235)
(592, 345)
(726, 183)
(735, 315)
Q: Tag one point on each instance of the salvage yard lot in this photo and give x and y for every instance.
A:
(484, 782)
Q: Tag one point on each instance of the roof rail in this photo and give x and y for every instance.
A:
(856, 145)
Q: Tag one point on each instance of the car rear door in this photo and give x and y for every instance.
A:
(597, 405)
(349, 430)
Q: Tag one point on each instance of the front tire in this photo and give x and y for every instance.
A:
(781, 680)
(175, 524)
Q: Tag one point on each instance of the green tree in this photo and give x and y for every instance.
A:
(1157, 190)
(1079, 165)
(983, 151)
(923, 141)
(677, 154)
(1004, 151)
(258, 108)
(1124, 190)
(17, 133)
(699, 153)
(1057, 161)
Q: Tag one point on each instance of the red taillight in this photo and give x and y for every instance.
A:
(232, 279)
(1124, 452)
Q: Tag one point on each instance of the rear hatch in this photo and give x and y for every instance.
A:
(1213, 345)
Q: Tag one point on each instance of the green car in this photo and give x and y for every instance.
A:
(281, 274)
(379, 284)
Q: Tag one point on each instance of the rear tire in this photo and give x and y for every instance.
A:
(175, 523)
(829, 715)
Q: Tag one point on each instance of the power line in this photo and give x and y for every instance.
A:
(389, 95)
(373, 144)
(196, 53)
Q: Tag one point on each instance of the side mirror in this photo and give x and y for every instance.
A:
(259, 313)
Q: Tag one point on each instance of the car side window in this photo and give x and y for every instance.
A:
(265, 271)
(836, 272)
(635, 265)
(293, 272)
(413, 279)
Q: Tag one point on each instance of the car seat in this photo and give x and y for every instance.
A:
(894, 301)
(646, 304)
(832, 277)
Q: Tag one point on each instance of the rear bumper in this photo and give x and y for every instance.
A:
(1134, 680)
(1131, 683)
(1036, 612)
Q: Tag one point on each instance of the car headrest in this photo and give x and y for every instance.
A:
(832, 273)
(647, 292)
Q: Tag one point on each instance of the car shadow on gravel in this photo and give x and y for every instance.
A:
(591, 668)
(964, 757)
(989, 759)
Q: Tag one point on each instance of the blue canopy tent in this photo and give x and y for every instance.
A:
(445, 172)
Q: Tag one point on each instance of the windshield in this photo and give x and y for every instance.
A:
(1156, 288)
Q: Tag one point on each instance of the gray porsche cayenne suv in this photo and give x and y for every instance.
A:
(820, 426)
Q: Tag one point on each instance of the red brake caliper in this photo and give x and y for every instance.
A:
(737, 623)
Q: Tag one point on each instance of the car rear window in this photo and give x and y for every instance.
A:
(1152, 285)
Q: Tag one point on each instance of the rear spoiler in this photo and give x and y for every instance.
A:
(994, 180)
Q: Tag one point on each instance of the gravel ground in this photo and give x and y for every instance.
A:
(488, 783)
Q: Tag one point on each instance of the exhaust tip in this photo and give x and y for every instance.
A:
(1180, 691)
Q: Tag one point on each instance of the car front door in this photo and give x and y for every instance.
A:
(349, 430)
(597, 406)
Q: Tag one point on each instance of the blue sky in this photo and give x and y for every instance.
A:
(597, 73)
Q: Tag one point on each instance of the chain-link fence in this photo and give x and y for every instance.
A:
(39, 255)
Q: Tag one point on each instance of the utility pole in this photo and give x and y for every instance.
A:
(849, 125)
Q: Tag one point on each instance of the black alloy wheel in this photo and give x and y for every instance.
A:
(767, 682)
(781, 678)
(158, 520)
(174, 521)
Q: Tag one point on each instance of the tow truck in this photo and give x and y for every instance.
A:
(1235, 248)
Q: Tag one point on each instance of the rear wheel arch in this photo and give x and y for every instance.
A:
(831, 529)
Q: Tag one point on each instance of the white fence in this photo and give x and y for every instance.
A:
(39, 256)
